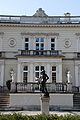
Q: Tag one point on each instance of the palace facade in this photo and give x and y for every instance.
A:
(29, 44)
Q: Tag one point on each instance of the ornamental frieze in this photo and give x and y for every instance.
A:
(39, 34)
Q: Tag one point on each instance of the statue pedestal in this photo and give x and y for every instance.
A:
(13, 87)
(45, 104)
(69, 87)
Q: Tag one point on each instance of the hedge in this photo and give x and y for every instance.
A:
(38, 117)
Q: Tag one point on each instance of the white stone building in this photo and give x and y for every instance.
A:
(29, 44)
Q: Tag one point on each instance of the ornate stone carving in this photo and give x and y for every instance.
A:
(67, 43)
(12, 42)
(40, 13)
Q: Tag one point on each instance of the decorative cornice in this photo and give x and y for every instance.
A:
(45, 34)
(39, 25)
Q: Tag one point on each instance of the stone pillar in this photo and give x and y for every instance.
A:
(76, 75)
(19, 76)
(45, 104)
(31, 78)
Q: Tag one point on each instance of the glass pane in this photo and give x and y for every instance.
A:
(52, 46)
(42, 68)
(37, 68)
(52, 39)
(41, 39)
(37, 39)
(37, 46)
(53, 68)
(37, 74)
(26, 46)
(53, 77)
(26, 40)
(25, 77)
(25, 68)
(42, 46)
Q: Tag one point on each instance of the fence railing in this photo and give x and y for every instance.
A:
(34, 87)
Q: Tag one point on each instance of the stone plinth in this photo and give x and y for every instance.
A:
(69, 87)
(13, 87)
(45, 104)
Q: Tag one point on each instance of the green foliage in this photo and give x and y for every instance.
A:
(38, 117)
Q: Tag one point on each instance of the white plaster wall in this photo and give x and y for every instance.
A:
(25, 99)
(64, 33)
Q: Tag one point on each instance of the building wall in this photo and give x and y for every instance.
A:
(65, 34)
(26, 100)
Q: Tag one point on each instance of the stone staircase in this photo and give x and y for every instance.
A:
(76, 100)
(4, 100)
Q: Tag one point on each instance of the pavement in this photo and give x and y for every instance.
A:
(39, 112)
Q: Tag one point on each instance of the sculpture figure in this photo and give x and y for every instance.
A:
(42, 81)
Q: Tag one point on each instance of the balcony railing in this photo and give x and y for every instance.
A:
(40, 53)
(34, 87)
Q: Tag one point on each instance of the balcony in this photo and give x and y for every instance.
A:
(40, 53)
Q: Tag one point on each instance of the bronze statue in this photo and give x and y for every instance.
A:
(44, 77)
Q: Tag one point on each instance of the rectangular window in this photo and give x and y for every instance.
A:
(26, 43)
(53, 74)
(39, 43)
(52, 43)
(38, 70)
(25, 74)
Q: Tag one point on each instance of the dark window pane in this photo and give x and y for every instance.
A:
(53, 77)
(26, 39)
(37, 46)
(52, 46)
(26, 46)
(42, 46)
(25, 77)
(52, 39)
(53, 68)
(37, 39)
(42, 68)
(25, 68)
(41, 39)
(37, 68)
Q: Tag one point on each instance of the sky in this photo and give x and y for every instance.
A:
(29, 7)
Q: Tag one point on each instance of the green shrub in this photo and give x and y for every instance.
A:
(38, 117)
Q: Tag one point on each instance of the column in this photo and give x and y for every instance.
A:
(2, 75)
(59, 73)
(76, 76)
(31, 75)
(19, 77)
